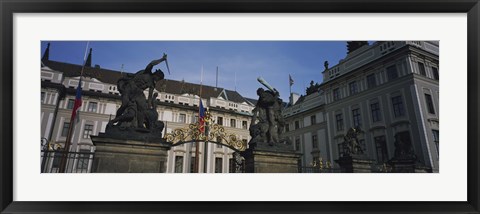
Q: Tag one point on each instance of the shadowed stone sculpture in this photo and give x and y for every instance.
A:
(267, 122)
(138, 114)
(404, 159)
(351, 146)
(403, 148)
(268, 150)
(353, 157)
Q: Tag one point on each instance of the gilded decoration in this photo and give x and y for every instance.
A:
(215, 133)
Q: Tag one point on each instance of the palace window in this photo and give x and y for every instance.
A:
(314, 141)
(313, 119)
(353, 87)
(381, 146)
(357, 121)
(220, 121)
(392, 73)
(421, 69)
(428, 99)
(233, 123)
(375, 108)
(371, 81)
(92, 106)
(339, 120)
(218, 165)
(178, 164)
(182, 118)
(397, 104)
(336, 94)
(70, 104)
(297, 124)
(435, 73)
(65, 128)
(244, 124)
(87, 131)
(297, 144)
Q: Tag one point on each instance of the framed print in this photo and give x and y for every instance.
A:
(389, 136)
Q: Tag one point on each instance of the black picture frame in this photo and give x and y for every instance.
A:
(9, 7)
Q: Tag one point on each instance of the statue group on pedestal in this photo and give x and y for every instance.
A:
(403, 148)
(267, 122)
(351, 145)
(137, 112)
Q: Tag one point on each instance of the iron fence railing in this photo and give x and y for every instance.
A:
(75, 162)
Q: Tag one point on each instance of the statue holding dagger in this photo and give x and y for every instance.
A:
(135, 111)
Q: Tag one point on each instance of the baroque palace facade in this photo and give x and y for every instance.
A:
(389, 89)
(178, 107)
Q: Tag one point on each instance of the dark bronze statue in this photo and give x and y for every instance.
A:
(238, 162)
(403, 148)
(267, 122)
(313, 88)
(138, 112)
(351, 146)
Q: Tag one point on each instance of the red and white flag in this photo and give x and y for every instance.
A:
(78, 101)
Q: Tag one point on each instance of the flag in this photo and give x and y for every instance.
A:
(201, 117)
(290, 79)
(78, 101)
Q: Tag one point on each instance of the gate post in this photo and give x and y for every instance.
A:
(129, 156)
(271, 159)
(355, 164)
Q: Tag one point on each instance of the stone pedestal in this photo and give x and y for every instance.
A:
(270, 160)
(129, 156)
(355, 164)
(402, 165)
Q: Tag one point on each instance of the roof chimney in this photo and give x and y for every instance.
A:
(46, 54)
(294, 98)
(89, 59)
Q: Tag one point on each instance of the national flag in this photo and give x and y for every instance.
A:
(201, 117)
(290, 79)
(78, 101)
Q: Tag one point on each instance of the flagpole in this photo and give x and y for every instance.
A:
(68, 140)
(197, 147)
(205, 145)
(290, 84)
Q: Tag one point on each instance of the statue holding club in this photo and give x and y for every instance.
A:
(267, 121)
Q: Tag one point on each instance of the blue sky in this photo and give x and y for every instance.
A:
(273, 60)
